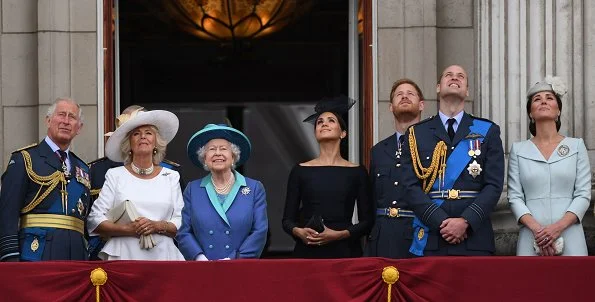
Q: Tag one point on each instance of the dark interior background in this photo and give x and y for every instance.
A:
(265, 87)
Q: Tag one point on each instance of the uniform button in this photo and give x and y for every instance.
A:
(72, 211)
(227, 246)
(227, 232)
(428, 157)
(452, 148)
(210, 246)
(211, 232)
(396, 183)
(394, 202)
(378, 175)
(68, 181)
(398, 165)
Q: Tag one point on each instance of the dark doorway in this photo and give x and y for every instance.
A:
(264, 86)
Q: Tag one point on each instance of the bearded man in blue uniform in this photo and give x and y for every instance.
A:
(391, 235)
(45, 194)
(454, 174)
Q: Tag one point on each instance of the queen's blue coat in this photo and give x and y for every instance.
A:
(235, 229)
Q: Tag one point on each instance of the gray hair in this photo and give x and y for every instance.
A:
(158, 152)
(235, 152)
(52, 108)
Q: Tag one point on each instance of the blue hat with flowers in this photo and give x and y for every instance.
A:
(213, 131)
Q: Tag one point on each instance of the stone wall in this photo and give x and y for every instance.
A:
(47, 50)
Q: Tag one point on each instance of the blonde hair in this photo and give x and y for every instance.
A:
(158, 152)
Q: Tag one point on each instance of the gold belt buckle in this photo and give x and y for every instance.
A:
(453, 194)
(393, 212)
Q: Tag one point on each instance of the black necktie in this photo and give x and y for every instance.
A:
(401, 141)
(62, 155)
(451, 129)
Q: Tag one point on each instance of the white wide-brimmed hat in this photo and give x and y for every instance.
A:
(166, 122)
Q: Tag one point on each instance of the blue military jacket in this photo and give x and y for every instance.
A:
(476, 210)
(18, 191)
(390, 237)
(235, 229)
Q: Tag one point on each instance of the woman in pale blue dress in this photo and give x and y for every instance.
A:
(549, 179)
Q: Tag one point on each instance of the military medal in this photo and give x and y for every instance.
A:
(563, 150)
(35, 244)
(80, 207)
(471, 152)
(82, 177)
(477, 148)
(474, 169)
(65, 170)
(474, 148)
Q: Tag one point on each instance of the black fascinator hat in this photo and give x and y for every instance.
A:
(338, 105)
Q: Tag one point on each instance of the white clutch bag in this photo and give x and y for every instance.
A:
(558, 246)
(125, 213)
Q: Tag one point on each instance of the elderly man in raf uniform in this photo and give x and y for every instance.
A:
(454, 173)
(99, 167)
(45, 194)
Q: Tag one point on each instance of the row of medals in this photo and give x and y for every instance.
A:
(79, 205)
(474, 168)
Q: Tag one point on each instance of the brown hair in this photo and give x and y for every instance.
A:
(532, 127)
(405, 81)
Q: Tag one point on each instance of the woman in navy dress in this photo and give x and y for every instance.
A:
(327, 188)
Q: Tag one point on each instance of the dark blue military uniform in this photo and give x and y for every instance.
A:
(51, 225)
(98, 169)
(392, 232)
(477, 196)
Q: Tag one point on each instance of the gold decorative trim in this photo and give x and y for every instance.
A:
(50, 182)
(437, 166)
(390, 275)
(53, 221)
(98, 278)
(95, 192)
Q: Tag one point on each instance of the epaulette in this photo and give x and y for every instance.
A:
(96, 161)
(175, 164)
(480, 118)
(25, 148)
(420, 122)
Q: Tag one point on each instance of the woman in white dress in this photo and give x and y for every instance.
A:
(140, 143)
(549, 179)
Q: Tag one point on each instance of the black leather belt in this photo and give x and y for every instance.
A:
(394, 212)
(453, 194)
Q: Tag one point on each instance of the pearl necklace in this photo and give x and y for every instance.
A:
(225, 188)
(141, 171)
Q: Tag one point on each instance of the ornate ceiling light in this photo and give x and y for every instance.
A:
(234, 19)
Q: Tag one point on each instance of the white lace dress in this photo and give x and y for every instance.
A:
(158, 198)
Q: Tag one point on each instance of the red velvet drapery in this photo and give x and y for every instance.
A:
(423, 279)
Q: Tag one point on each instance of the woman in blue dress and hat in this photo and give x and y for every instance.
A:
(549, 179)
(225, 213)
